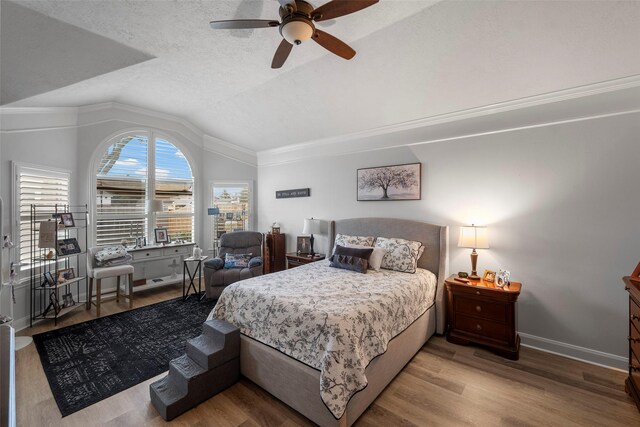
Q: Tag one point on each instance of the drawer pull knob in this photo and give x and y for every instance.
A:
(479, 327)
(632, 339)
(626, 288)
(477, 292)
(635, 317)
(478, 308)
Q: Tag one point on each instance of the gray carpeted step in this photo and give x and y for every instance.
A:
(219, 343)
(183, 370)
(168, 400)
(192, 380)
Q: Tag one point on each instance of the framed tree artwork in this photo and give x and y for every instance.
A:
(384, 183)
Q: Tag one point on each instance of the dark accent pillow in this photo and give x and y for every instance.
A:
(348, 262)
(354, 252)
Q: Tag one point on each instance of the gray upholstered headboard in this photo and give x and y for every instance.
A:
(434, 237)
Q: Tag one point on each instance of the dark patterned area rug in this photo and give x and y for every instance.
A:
(91, 361)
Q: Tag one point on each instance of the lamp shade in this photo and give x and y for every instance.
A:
(474, 237)
(311, 226)
(155, 205)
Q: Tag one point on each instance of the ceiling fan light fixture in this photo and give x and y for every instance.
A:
(297, 31)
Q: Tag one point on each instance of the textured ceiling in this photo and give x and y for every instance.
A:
(415, 59)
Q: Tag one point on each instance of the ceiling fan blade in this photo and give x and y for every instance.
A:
(333, 44)
(285, 3)
(282, 53)
(338, 8)
(239, 24)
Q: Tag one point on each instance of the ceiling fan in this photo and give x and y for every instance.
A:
(297, 25)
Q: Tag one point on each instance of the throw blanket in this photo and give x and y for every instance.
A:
(334, 320)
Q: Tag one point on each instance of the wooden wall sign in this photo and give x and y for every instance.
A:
(287, 194)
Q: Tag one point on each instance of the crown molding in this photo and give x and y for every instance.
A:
(112, 105)
(231, 151)
(361, 141)
(21, 119)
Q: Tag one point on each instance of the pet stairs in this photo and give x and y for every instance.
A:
(210, 365)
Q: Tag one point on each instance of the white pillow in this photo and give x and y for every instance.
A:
(401, 255)
(375, 260)
(344, 240)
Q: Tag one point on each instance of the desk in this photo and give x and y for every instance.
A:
(192, 275)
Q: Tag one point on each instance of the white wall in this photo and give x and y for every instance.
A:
(561, 202)
(69, 138)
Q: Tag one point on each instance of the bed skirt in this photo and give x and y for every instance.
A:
(298, 385)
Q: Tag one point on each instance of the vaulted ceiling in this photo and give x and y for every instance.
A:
(415, 59)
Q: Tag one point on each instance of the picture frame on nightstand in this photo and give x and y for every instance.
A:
(502, 278)
(489, 276)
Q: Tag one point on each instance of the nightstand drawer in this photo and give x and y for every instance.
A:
(481, 308)
(485, 328)
(473, 292)
(634, 370)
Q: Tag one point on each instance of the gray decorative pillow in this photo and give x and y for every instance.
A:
(110, 252)
(255, 261)
(215, 263)
(348, 262)
(401, 255)
(344, 239)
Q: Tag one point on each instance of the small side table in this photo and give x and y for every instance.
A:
(482, 313)
(296, 260)
(186, 272)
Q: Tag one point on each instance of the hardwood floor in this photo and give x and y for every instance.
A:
(444, 384)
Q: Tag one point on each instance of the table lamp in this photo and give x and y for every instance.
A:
(311, 226)
(475, 238)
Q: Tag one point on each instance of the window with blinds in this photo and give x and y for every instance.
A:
(44, 188)
(126, 181)
(174, 186)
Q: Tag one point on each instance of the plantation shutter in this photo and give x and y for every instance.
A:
(42, 187)
(174, 186)
(121, 211)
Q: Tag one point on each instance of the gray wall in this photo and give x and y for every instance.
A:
(561, 203)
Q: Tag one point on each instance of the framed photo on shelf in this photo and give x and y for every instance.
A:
(162, 235)
(68, 247)
(49, 280)
(67, 300)
(66, 274)
(489, 276)
(66, 219)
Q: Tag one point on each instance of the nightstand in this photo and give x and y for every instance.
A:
(482, 313)
(295, 260)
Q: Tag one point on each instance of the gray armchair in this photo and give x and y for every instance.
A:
(216, 277)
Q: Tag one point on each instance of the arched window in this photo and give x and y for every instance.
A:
(132, 173)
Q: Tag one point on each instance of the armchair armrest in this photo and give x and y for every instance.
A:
(214, 263)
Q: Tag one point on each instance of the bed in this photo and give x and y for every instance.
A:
(327, 341)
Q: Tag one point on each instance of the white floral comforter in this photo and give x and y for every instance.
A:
(334, 320)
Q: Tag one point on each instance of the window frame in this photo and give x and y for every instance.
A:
(151, 135)
(218, 183)
(16, 169)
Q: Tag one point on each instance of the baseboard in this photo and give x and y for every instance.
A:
(571, 351)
